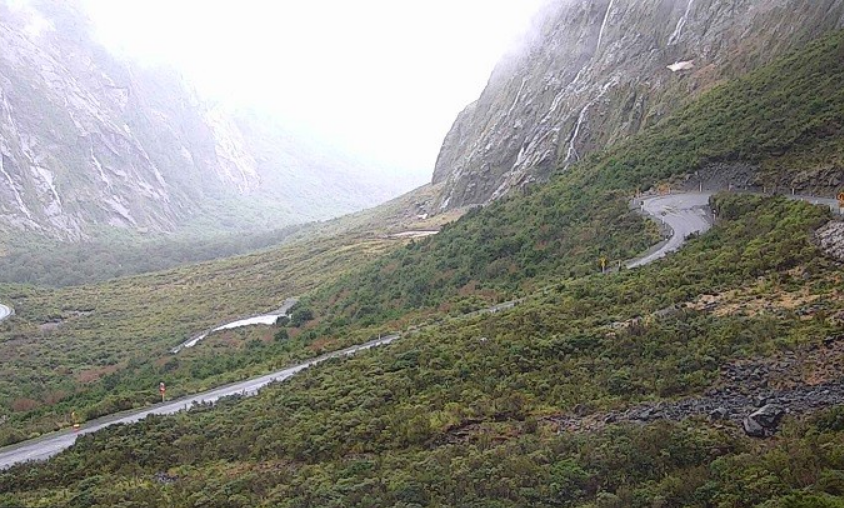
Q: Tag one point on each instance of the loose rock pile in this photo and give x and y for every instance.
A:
(754, 395)
(831, 239)
(165, 479)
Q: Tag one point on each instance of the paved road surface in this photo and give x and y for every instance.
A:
(4, 312)
(831, 203)
(263, 319)
(51, 444)
(685, 214)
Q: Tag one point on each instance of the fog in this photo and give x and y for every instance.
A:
(385, 79)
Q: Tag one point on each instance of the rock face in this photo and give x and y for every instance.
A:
(87, 141)
(831, 239)
(764, 422)
(594, 72)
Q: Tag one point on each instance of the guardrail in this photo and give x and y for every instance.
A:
(835, 203)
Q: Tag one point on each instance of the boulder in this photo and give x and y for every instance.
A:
(753, 429)
(719, 414)
(764, 422)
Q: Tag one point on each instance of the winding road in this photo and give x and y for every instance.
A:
(684, 214)
(689, 213)
(262, 319)
(51, 444)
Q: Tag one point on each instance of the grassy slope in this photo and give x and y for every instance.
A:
(32, 259)
(787, 118)
(116, 336)
(557, 232)
(444, 419)
(114, 339)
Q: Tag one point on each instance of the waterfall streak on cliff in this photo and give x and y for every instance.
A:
(99, 167)
(572, 151)
(571, 154)
(518, 96)
(675, 37)
(603, 27)
(14, 189)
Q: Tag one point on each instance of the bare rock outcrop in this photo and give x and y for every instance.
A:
(764, 422)
(831, 239)
(90, 141)
(595, 72)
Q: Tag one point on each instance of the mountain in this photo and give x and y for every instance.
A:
(91, 142)
(637, 388)
(594, 72)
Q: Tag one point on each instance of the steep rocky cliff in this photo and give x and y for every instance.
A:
(88, 141)
(593, 72)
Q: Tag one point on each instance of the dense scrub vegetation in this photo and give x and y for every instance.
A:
(456, 415)
(444, 418)
(787, 117)
(33, 260)
(97, 349)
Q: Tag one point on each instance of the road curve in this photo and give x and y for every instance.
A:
(5, 312)
(688, 214)
(261, 319)
(685, 214)
(51, 444)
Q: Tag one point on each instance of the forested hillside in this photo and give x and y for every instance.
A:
(626, 389)
(777, 121)
(471, 413)
(512, 247)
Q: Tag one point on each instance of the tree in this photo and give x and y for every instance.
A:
(281, 335)
(300, 317)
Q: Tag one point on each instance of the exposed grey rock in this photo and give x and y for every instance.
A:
(594, 72)
(646, 414)
(719, 413)
(831, 240)
(165, 479)
(765, 421)
(88, 140)
(752, 428)
(726, 402)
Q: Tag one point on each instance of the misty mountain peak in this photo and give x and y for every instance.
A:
(594, 72)
(90, 140)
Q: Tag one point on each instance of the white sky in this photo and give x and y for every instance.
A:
(385, 77)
